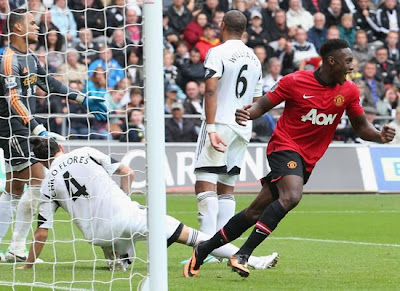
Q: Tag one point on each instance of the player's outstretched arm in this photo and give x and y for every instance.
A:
(367, 131)
(36, 248)
(93, 105)
(254, 111)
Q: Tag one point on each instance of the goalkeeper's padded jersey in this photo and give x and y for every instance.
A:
(80, 182)
(20, 73)
(240, 80)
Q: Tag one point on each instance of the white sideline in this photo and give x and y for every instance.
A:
(333, 241)
(40, 285)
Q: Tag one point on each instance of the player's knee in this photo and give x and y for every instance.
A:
(290, 199)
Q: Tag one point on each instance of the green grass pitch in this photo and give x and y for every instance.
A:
(329, 242)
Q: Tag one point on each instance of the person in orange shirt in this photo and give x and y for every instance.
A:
(207, 41)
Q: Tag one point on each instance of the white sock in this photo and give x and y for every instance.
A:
(226, 209)
(207, 203)
(25, 212)
(195, 237)
(6, 213)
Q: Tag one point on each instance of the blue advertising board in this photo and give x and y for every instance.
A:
(386, 161)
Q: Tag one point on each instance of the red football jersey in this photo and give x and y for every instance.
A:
(312, 112)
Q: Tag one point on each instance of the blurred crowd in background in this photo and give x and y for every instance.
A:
(95, 46)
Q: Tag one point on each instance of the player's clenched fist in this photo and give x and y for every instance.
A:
(242, 115)
(387, 134)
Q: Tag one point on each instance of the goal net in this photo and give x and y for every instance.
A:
(95, 47)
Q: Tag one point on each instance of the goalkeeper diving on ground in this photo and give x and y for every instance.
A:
(20, 73)
(80, 182)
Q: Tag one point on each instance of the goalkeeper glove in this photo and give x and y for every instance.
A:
(96, 107)
(40, 130)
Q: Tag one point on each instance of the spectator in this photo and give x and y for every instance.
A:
(48, 105)
(171, 93)
(194, 102)
(333, 13)
(194, 30)
(269, 13)
(241, 5)
(263, 128)
(374, 86)
(217, 21)
(55, 48)
(114, 71)
(194, 70)
(45, 25)
(179, 16)
(362, 50)
(170, 36)
(396, 125)
(90, 14)
(317, 33)
(285, 53)
(78, 127)
(86, 47)
(279, 27)
(133, 29)
(73, 70)
(207, 41)
(115, 15)
(209, 8)
(125, 85)
(170, 71)
(275, 68)
(134, 70)
(298, 16)
(135, 131)
(365, 100)
(41, 54)
(346, 29)
(262, 55)
(386, 70)
(181, 54)
(256, 33)
(65, 19)
(332, 32)
(302, 48)
(119, 46)
(5, 8)
(36, 8)
(310, 5)
(178, 128)
(387, 18)
(113, 101)
(365, 19)
(393, 46)
(370, 113)
(136, 100)
(388, 104)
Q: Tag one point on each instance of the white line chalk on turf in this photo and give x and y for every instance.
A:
(313, 212)
(41, 285)
(333, 241)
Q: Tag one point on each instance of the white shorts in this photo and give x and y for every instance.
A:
(211, 161)
(137, 229)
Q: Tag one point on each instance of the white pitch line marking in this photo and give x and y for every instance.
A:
(40, 285)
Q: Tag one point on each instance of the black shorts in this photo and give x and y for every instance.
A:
(16, 149)
(284, 163)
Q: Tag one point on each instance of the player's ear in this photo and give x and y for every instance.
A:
(62, 149)
(331, 60)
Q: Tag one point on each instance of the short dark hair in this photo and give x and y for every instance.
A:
(44, 148)
(235, 22)
(16, 16)
(332, 45)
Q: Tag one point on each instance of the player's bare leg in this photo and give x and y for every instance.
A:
(237, 225)
(290, 192)
(25, 212)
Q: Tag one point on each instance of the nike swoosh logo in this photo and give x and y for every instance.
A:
(306, 97)
(260, 232)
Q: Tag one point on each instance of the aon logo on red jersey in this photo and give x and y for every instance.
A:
(318, 119)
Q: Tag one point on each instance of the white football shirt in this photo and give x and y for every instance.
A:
(240, 80)
(80, 183)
